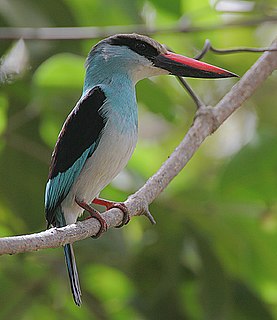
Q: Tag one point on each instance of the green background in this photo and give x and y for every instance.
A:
(213, 253)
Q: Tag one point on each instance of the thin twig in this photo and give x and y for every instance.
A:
(207, 120)
(208, 47)
(241, 50)
(187, 87)
(199, 103)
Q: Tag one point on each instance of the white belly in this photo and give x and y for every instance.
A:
(110, 157)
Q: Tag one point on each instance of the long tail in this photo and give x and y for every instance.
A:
(73, 273)
(70, 261)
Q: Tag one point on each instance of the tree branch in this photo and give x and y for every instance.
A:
(77, 33)
(206, 121)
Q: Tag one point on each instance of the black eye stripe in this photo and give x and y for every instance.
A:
(139, 46)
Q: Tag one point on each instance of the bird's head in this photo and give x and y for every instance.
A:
(142, 57)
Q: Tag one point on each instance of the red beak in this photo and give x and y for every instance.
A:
(187, 67)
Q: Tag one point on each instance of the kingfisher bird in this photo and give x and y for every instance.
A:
(100, 134)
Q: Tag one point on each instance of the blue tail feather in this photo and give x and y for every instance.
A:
(73, 273)
(70, 261)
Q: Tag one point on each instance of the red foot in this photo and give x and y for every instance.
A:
(111, 204)
(94, 214)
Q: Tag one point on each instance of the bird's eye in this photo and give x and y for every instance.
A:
(141, 47)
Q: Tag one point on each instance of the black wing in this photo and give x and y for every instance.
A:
(77, 141)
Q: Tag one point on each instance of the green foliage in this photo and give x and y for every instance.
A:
(212, 254)
(57, 70)
(259, 158)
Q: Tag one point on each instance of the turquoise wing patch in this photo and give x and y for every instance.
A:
(58, 187)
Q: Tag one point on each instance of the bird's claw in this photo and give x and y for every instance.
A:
(103, 225)
(94, 214)
(119, 205)
(126, 215)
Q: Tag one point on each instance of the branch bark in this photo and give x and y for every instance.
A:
(206, 121)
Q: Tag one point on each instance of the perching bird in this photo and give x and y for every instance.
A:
(100, 134)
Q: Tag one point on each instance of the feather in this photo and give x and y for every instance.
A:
(77, 141)
(72, 273)
(70, 261)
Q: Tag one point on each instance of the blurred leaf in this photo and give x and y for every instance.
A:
(215, 290)
(57, 79)
(118, 13)
(61, 70)
(147, 153)
(29, 15)
(14, 63)
(3, 113)
(249, 305)
(109, 284)
(173, 7)
(240, 242)
(49, 129)
(156, 99)
(252, 174)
